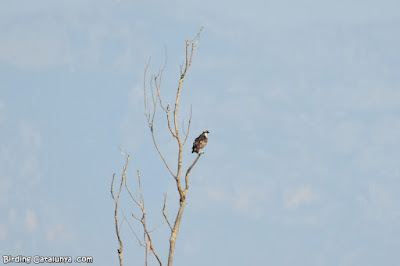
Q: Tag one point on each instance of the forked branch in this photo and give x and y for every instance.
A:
(148, 243)
(188, 63)
(116, 200)
(150, 116)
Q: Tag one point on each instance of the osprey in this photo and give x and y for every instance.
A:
(200, 142)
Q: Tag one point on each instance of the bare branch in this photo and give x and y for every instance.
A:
(155, 228)
(141, 191)
(166, 110)
(161, 73)
(188, 128)
(160, 153)
(155, 101)
(150, 244)
(116, 200)
(194, 43)
(178, 94)
(112, 187)
(130, 194)
(164, 213)
(146, 233)
(137, 218)
(187, 174)
(169, 123)
(133, 231)
(162, 156)
(158, 85)
(146, 110)
(143, 220)
(150, 117)
(181, 69)
(153, 77)
(166, 57)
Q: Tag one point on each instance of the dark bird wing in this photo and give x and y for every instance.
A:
(201, 141)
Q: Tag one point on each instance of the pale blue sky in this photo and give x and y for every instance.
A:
(301, 98)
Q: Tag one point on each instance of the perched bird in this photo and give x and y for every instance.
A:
(200, 142)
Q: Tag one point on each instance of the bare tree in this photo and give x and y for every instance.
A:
(180, 176)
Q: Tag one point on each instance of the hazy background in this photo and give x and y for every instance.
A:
(301, 98)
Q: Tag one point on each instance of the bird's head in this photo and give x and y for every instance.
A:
(205, 132)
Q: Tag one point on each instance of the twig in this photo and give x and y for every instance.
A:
(146, 110)
(164, 213)
(161, 155)
(155, 228)
(188, 128)
(133, 231)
